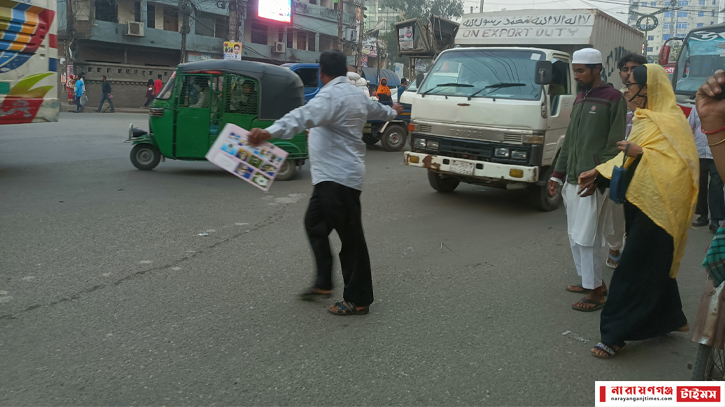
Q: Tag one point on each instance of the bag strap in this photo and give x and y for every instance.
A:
(624, 160)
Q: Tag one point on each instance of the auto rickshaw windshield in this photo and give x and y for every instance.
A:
(168, 88)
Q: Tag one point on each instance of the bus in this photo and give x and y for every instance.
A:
(703, 53)
(28, 61)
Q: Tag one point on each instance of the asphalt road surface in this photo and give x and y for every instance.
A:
(110, 296)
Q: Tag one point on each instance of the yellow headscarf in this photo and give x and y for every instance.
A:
(665, 182)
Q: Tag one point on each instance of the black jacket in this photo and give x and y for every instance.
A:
(106, 88)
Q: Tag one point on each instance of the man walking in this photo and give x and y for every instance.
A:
(714, 197)
(158, 85)
(106, 90)
(337, 116)
(80, 90)
(597, 124)
(401, 87)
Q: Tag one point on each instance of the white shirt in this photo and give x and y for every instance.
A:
(703, 150)
(337, 116)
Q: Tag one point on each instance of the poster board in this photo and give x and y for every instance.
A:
(258, 165)
(232, 50)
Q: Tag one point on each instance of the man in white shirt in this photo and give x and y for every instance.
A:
(714, 197)
(337, 116)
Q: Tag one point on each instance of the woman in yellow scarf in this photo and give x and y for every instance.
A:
(662, 177)
(384, 94)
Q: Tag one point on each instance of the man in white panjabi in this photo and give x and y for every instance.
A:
(598, 122)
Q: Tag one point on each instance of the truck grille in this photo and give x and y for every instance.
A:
(462, 149)
(425, 128)
(512, 138)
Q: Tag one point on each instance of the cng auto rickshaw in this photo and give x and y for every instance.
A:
(201, 97)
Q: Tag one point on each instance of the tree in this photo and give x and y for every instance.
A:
(424, 8)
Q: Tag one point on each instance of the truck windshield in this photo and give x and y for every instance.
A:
(466, 72)
(702, 54)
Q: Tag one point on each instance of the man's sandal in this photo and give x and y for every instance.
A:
(578, 289)
(613, 261)
(312, 294)
(345, 308)
(597, 305)
(610, 352)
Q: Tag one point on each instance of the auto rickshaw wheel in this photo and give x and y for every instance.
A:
(145, 156)
(287, 171)
(393, 138)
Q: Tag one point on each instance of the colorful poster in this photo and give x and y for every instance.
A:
(256, 165)
(405, 38)
(233, 50)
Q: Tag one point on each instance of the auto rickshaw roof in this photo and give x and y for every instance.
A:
(281, 90)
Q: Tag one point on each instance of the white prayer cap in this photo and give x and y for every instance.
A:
(588, 56)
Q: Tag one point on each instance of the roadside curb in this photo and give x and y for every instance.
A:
(72, 109)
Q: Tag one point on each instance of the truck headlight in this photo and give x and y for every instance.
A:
(519, 155)
(501, 153)
(433, 144)
(419, 143)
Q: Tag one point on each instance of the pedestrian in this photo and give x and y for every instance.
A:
(383, 92)
(80, 91)
(597, 124)
(158, 85)
(615, 223)
(662, 171)
(712, 197)
(150, 93)
(106, 90)
(337, 117)
(401, 87)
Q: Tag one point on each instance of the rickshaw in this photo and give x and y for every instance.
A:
(201, 97)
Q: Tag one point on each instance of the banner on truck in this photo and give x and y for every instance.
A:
(509, 28)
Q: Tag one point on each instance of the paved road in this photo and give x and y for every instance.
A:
(109, 296)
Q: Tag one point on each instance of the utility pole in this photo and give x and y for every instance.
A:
(185, 9)
(480, 10)
(339, 27)
(233, 32)
(362, 29)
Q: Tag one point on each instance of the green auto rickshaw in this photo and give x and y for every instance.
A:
(201, 97)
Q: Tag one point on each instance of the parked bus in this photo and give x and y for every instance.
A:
(28, 62)
(703, 52)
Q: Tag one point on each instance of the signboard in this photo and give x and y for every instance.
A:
(370, 47)
(545, 27)
(277, 10)
(405, 38)
(233, 50)
(257, 165)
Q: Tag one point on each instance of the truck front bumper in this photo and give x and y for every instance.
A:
(481, 169)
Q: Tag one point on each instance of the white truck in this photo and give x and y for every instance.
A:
(494, 110)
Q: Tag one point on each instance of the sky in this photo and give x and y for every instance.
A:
(613, 7)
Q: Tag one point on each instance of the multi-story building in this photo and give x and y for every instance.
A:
(689, 14)
(379, 17)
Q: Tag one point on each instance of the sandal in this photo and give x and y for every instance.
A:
(597, 305)
(345, 308)
(312, 294)
(613, 261)
(610, 352)
(582, 290)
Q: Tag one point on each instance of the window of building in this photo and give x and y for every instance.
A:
(700, 25)
(712, 22)
(311, 42)
(221, 27)
(280, 34)
(682, 3)
(713, 2)
(171, 19)
(151, 16)
(107, 10)
(136, 11)
(665, 37)
(635, 4)
(667, 26)
(650, 49)
(325, 42)
(313, 1)
(713, 14)
(210, 25)
(301, 40)
(682, 14)
(259, 34)
(290, 38)
(651, 38)
(653, 4)
(668, 14)
(681, 26)
(701, 14)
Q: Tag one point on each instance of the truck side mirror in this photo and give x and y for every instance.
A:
(543, 72)
(665, 55)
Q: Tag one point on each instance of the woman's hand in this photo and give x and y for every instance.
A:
(587, 183)
(709, 108)
(634, 150)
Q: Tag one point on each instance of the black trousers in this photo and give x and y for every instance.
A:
(335, 206)
(714, 197)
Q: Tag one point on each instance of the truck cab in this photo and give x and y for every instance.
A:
(493, 116)
(310, 75)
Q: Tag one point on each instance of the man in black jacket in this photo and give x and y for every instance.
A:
(106, 89)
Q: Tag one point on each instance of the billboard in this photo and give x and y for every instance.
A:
(233, 50)
(277, 10)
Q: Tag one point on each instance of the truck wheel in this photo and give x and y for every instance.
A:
(442, 184)
(393, 138)
(145, 156)
(287, 171)
(369, 139)
(540, 195)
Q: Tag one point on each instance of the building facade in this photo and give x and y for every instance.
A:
(689, 15)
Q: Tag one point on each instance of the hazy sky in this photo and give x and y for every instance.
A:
(613, 7)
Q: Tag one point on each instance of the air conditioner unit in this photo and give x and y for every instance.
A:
(279, 48)
(135, 29)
